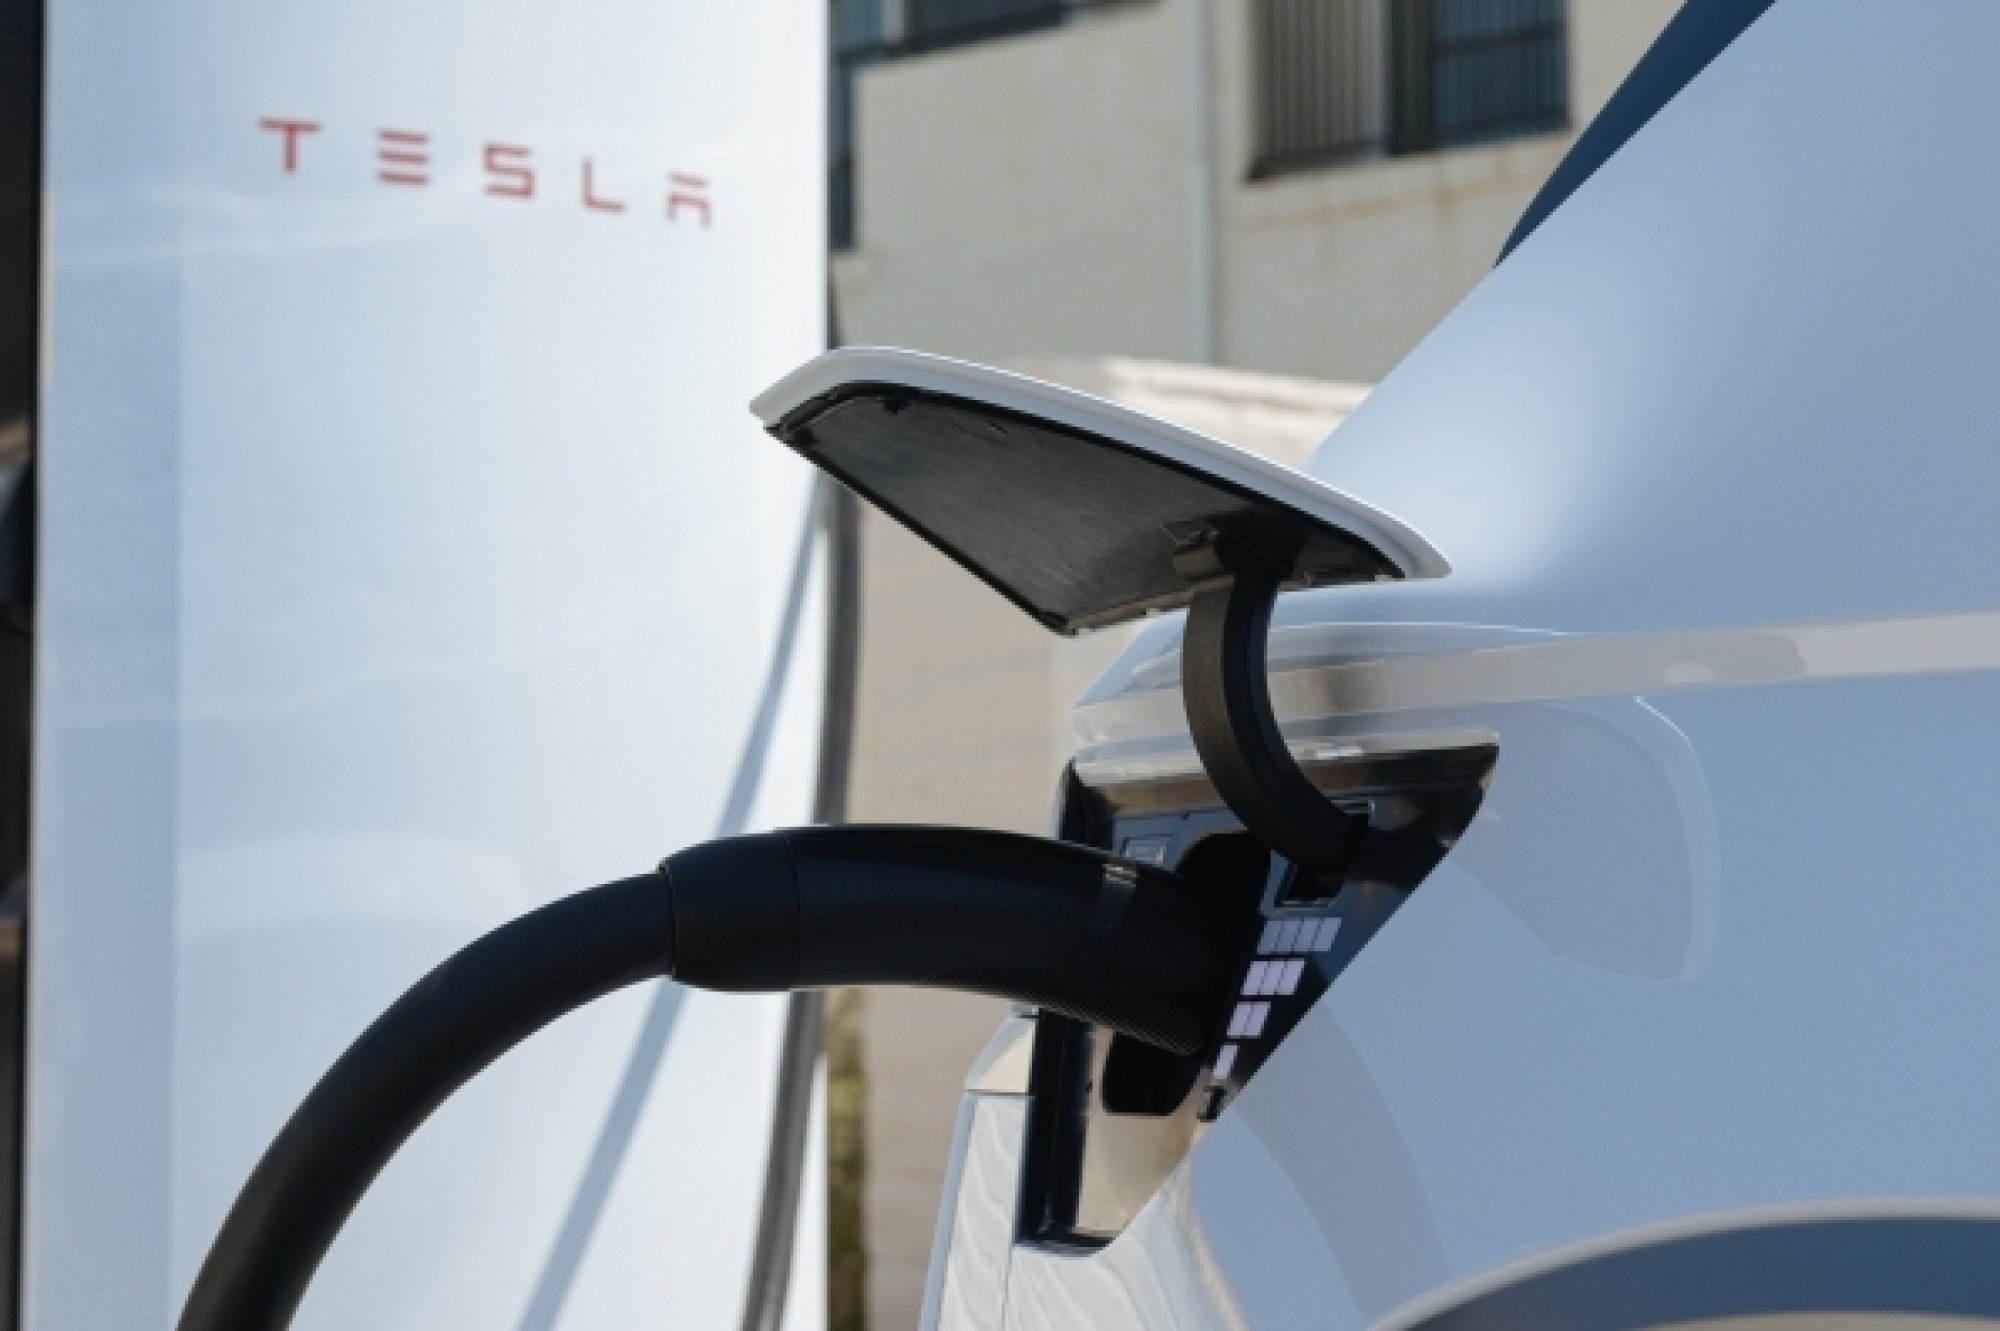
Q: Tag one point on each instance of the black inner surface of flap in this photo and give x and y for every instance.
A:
(1077, 529)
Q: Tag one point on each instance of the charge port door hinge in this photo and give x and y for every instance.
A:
(1224, 655)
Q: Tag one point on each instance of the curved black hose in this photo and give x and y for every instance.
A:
(453, 1023)
(1065, 927)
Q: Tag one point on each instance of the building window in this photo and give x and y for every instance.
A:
(856, 40)
(865, 32)
(1344, 80)
(931, 25)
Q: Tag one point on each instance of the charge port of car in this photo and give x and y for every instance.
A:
(1137, 1078)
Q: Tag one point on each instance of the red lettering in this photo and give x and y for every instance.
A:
(508, 174)
(590, 199)
(289, 132)
(404, 157)
(687, 192)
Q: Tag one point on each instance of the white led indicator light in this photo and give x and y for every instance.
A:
(1247, 1022)
(1269, 942)
(1224, 1061)
(1288, 937)
(1288, 975)
(1324, 939)
(1253, 983)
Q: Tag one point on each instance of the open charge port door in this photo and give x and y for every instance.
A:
(1084, 515)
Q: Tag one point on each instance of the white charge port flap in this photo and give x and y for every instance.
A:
(1070, 506)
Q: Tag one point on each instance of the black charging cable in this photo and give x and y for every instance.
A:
(1067, 928)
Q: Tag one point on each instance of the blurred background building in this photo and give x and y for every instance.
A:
(1232, 213)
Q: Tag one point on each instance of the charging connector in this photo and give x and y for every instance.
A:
(1067, 928)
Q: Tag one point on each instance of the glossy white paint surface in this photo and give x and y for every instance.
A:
(407, 560)
(1712, 458)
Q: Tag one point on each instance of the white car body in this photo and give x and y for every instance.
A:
(1696, 1019)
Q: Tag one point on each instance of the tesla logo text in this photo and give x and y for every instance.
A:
(406, 159)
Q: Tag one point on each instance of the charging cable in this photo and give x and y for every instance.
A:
(1069, 929)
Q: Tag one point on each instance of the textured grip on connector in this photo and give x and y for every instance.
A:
(1065, 927)
(736, 903)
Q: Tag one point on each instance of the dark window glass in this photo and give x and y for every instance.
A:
(1344, 79)
(855, 40)
(937, 23)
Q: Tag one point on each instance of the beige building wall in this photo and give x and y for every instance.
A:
(1029, 196)
(1025, 202)
(1023, 196)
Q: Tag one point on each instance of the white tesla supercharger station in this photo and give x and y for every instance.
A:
(374, 379)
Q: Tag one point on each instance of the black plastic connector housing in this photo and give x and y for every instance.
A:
(1067, 928)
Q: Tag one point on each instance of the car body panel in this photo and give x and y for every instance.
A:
(1712, 457)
